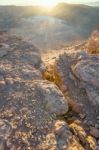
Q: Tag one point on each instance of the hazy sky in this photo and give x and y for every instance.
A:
(40, 2)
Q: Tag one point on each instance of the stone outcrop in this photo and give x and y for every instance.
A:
(88, 72)
(31, 108)
(77, 75)
(34, 111)
(29, 105)
(61, 136)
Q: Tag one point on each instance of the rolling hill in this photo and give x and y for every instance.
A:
(45, 28)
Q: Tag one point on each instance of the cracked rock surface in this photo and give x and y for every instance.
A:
(36, 114)
(76, 73)
(79, 80)
(29, 105)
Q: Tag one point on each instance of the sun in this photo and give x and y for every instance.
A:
(48, 3)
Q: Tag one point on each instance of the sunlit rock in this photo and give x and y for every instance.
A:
(32, 109)
(60, 138)
(77, 75)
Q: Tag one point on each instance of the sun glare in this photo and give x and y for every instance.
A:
(48, 3)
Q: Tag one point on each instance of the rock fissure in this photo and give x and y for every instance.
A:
(47, 108)
(76, 75)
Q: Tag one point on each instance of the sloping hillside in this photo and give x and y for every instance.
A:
(47, 32)
(82, 16)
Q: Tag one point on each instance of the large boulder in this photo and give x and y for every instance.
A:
(29, 105)
(30, 109)
(88, 72)
(77, 75)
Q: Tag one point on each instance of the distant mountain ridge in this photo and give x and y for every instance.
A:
(84, 18)
(77, 22)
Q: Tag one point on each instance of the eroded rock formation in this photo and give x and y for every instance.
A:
(77, 75)
(36, 114)
(29, 105)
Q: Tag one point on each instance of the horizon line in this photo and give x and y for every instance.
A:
(42, 5)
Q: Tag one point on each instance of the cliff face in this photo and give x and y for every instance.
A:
(93, 43)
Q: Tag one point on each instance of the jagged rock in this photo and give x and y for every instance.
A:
(60, 138)
(79, 131)
(88, 71)
(75, 145)
(54, 100)
(77, 75)
(29, 105)
(91, 142)
(81, 137)
(93, 42)
(19, 51)
(10, 72)
(94, 132)
(31, 108)
(19, 60)
(93, 95)
(62, 132)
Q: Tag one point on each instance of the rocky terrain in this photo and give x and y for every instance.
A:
(48, 101)
(76, 73)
